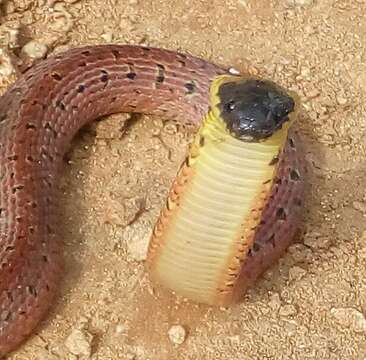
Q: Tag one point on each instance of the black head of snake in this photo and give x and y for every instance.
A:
(254, 109)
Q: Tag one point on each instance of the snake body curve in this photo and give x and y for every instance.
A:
(39, 115)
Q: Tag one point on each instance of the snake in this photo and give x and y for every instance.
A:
(232, 210)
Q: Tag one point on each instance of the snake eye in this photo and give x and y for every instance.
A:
(230, 106)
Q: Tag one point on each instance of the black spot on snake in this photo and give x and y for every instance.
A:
(29, 158)
(31, 290)
(271, 240)
(281, 214)
(161, 73)
(116, 54)
(274, 161)
(13, 158)
(294, 175)
(48, 126)
(60, 105)
(278, 181)
(145, 50)
(105, 76)
(131, 75)
(191, 87)
(56, 76)
(3, 117)
(81, 88)
(17, 188)
(256, 247)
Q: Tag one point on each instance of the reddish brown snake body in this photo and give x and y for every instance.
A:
(39, 115)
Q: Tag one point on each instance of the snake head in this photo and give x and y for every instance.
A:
(254, 109)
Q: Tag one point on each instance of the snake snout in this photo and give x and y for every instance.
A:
(280, 105)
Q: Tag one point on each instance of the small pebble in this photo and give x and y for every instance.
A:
(296, 273)
(62, 20)
(234, 71)
(288, 310)
(137, 237)
(34, 50)
(131, 356)
(13, 36)
(120, 329)
(341, 100)
(300, 253)
(312, 93)
(107, 36)
(360, 206)
(177, 334)
(274, 302)
(316, 240)
(79, 343)
(300, 2)
(6, 66)
(305, 72)
(350, 318)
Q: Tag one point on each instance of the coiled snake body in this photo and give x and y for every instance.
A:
(39, 115)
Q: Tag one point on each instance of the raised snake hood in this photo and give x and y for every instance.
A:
(226, 218)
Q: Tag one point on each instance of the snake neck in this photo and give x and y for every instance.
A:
(214, 133)
(208, 227)
(217, 200)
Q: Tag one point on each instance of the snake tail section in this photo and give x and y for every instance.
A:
(236, 202)
(39, 115)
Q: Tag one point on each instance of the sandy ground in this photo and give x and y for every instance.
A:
(312, 304)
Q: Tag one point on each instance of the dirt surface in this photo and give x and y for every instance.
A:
(312, 304)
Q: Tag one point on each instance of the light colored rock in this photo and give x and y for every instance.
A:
(316, 240)
(177, 334)
(288, 310)
(350, 318)
(137, 237)
(11, 35)
(62, 19)
(107, 36)
(234, 71)
(300, 2)
(121, 329)
(274, 302)
(34, 50)
(79, 343)
(6, 66)
(341, 100)
(360, 206)
(312, 93)
(296, 273)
